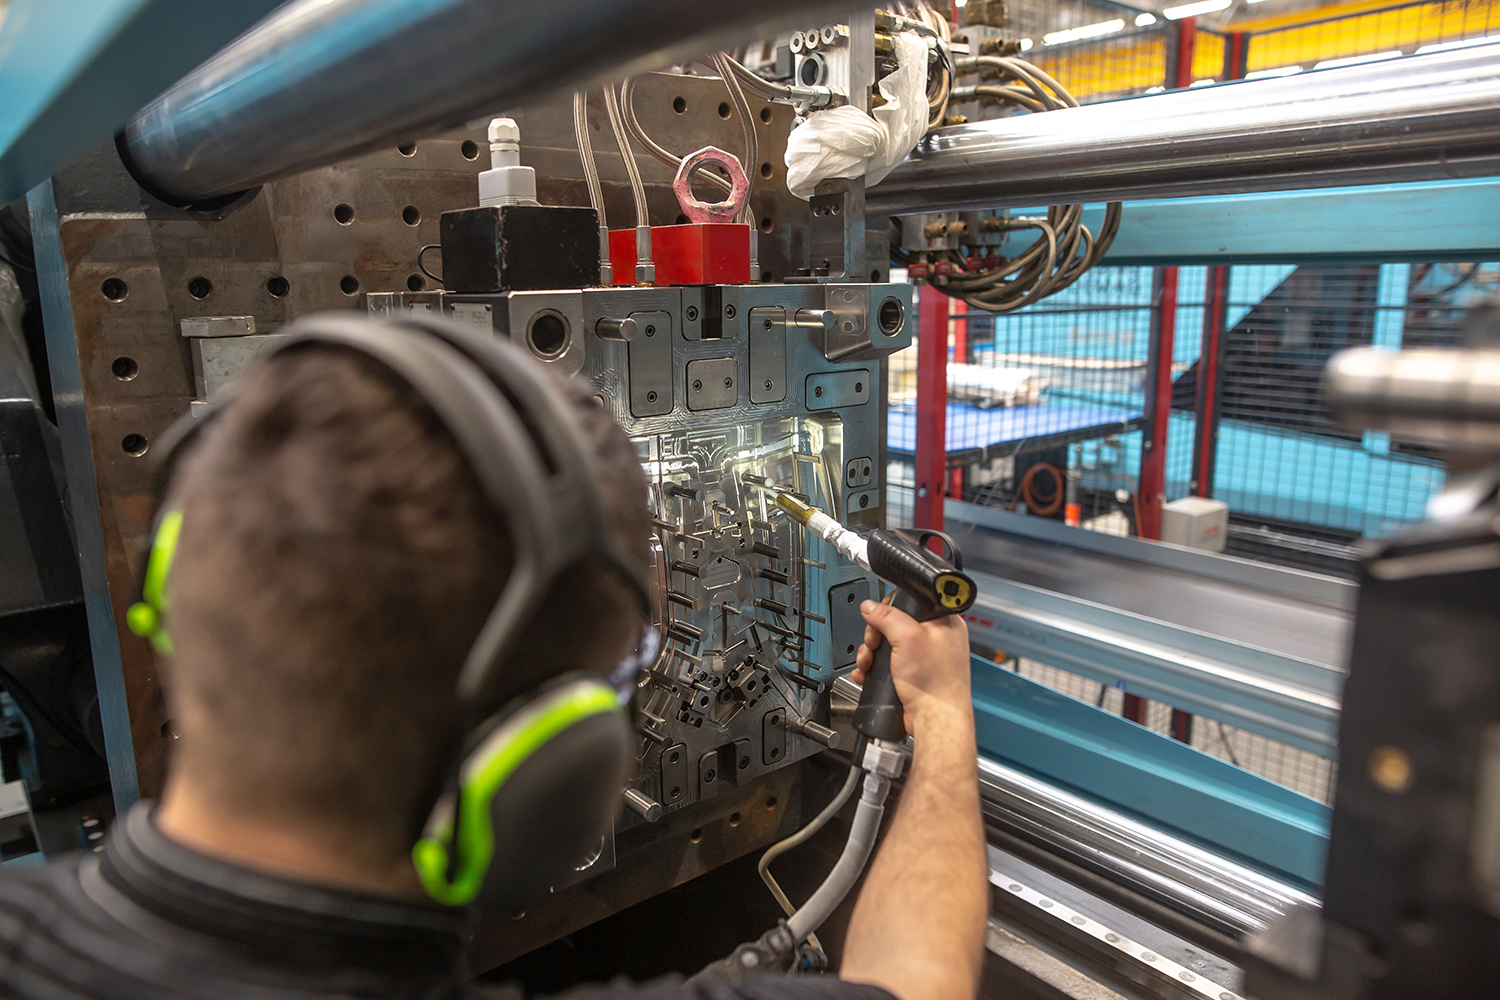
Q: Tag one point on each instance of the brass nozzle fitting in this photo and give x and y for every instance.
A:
(799, 511)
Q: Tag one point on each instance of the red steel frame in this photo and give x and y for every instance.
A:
(1153, 483)
(1206, 432)
(1159, 398)
(932, 410)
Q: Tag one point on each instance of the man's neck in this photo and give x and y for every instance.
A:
(297, 852)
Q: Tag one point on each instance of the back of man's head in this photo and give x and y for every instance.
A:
(336, 562)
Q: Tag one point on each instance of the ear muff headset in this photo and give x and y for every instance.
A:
(531, 789)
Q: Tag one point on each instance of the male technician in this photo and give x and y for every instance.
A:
(336, 561)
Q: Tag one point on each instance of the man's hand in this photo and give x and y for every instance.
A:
(929, 661)
(918, 927)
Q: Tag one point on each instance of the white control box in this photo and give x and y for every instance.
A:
(1196, 522)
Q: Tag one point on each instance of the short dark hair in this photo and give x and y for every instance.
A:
(337, 559)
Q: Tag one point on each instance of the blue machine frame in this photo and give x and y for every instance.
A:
(73, 73)
(1137, 770)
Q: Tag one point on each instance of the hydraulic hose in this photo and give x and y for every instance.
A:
(851, 863)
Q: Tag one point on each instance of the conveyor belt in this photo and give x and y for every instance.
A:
(1256, 646)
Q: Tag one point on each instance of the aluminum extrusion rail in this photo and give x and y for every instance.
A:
(319, 81)
(1254, 646)
(1193, 889)
(1427, 117)
(1215, 900)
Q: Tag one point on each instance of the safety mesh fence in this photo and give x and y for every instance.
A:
(1099, 51)
(1291, 767)
(1366, 36)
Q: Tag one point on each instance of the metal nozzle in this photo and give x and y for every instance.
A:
(801, 512)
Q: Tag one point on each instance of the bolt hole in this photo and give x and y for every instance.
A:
(650, 330)
(114, 289)
(548, 334)
(724, 109)
(891, 316)
(697, 385)
(167, 732)
(734, 819)
(765, 170)
(124, 369)
(696, 836)
(673, 757)
(765, 115)
(675, 793)
(775, 753)
(850, 649)
(343, 214)
(859, 387)
(278, 286)
(680, 105)
(349, 284)
(469, 149)
(411, 215)
(415, 282)
(744, 763)
(728, 382)
(200, 287)
(709, 776)
(651, 397)
(766, 224)
(771, 803)
(874, 275)
(409, 149)
(134, 444)
(851, 598)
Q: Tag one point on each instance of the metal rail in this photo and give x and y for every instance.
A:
(1254, 646)
(323, 80)
(1198, 892)
(1428, 117)
(1214, 893)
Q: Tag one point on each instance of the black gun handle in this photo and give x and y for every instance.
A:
(880, 715)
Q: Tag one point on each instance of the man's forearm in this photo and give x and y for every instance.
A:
(918, 927)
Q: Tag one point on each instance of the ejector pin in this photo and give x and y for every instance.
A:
(814, 731)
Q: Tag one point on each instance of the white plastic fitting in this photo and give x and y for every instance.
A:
(506, 182)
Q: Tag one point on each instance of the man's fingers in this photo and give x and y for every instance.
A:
(898, 627)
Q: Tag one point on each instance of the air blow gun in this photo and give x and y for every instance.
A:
(926, 586)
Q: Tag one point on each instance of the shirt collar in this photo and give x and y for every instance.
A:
(298, 922)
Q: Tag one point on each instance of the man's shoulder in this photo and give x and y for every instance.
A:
(49, 930)
(749, 988)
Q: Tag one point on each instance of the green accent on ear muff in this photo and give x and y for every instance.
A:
(481, 778)
(145, 617)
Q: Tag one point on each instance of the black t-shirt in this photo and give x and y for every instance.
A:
(148, 918)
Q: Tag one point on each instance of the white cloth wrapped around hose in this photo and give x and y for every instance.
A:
(847, 142)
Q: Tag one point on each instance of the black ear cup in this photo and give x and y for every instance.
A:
(552, 814)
